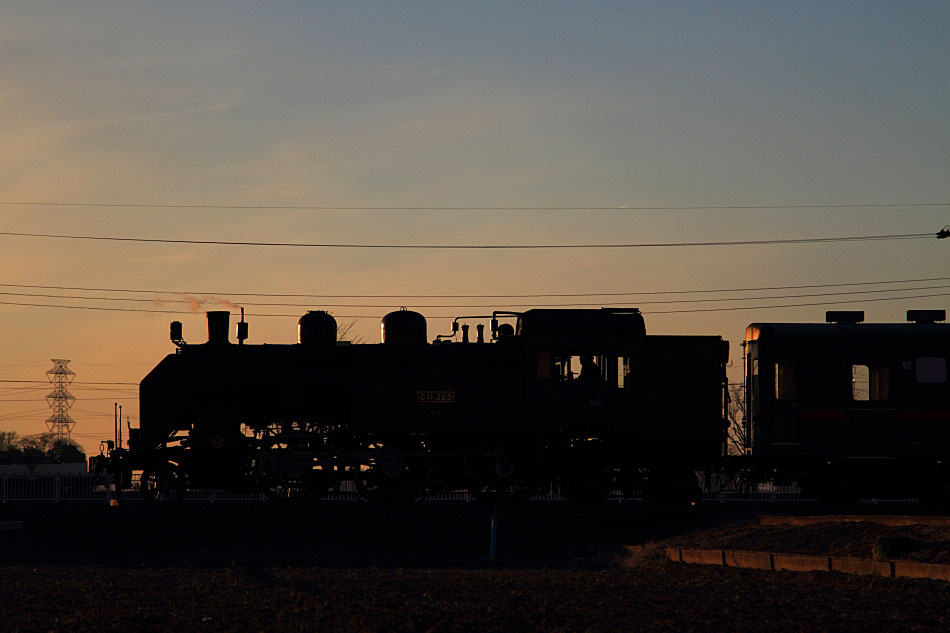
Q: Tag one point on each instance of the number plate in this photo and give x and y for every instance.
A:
(436, 397)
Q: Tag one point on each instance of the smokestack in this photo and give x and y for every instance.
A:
(218, 322)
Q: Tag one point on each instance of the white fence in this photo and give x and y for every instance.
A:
(53, 487)
(57, 487)
(759, 492)
(88, 487)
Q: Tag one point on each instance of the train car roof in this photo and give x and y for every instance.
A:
(837, 330)
(605, 321)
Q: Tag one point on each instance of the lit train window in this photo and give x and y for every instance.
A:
(784, 380)
(931, 370)
(623, 370)
(869, 383)
(584, 367)
(591, 367)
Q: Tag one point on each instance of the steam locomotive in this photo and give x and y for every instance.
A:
(584, 400)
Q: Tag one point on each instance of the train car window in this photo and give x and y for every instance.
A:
(562, 368)
(623, 370)
(586, 367)
(544, 365)
(591, 368)
(755, 378)
(860, 382)
(879, 383)
(931, 370)
(869, 382)
(785, 380)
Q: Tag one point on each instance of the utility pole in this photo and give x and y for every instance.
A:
(59, 399)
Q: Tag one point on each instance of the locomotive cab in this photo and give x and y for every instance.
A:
(631, 404)
(578, 363)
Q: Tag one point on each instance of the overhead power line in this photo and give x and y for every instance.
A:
(803, 240)
(799, 305)
(30, 388)
(221, 293)
(622, 207)
(377, 316)
(83, 399)
(78, 382)
(610, 298)
(111, 309)
(480, 305)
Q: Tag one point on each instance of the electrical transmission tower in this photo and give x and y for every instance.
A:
(60, 424)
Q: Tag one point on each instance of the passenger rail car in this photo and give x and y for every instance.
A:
(851, 409)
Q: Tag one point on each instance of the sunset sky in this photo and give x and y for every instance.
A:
(484, 123)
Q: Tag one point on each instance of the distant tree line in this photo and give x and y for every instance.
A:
(42, 448)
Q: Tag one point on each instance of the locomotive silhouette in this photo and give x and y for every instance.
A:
(580, 399)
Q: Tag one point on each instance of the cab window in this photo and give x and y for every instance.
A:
(580, 367)
(563, 368)
(623, 370)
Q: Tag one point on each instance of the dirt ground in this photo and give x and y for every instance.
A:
(557, 571)
(855, 539)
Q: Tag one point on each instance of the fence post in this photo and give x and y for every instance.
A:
(494, 535)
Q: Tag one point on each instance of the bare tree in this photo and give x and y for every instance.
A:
(736, 412)
(343, 329)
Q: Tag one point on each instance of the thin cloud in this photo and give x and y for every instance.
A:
(196, 303)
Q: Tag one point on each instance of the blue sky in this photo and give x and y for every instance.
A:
(440, 104)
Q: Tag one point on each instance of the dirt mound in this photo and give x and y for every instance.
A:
(855, 539)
